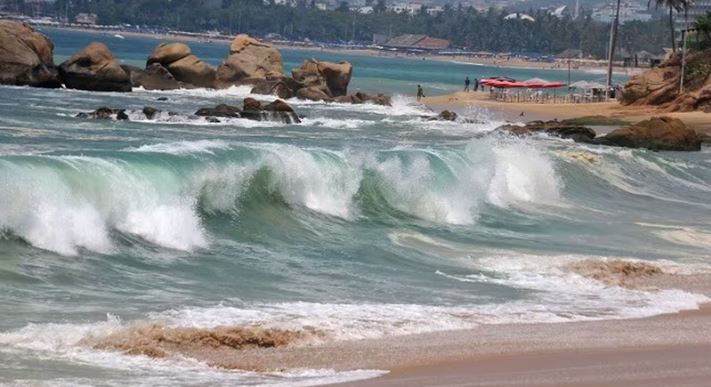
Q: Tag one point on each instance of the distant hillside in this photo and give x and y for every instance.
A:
(463, 26)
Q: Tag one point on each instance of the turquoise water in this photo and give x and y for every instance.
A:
(363, 221)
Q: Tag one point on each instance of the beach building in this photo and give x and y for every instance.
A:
(412, 42)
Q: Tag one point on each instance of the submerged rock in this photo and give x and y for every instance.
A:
(94, 68)
(27, 57)
(278, 111)
(445, 115)
(105, 113)
(222, 110)
(658, 133)
(553, 128)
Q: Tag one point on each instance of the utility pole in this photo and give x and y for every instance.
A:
(613, 41)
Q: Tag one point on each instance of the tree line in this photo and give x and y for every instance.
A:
(464, 27)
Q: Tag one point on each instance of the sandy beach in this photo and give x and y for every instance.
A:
(516, 112)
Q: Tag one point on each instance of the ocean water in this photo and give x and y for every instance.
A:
(361, 222)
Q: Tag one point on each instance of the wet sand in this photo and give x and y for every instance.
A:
(511, 111)
(664, 350)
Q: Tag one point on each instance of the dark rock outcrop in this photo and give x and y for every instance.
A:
(278, 111)
(185, 67)
(331, 78)
(105, 113)
(658, 133)
(553, 128)
(445, 115)
(249, 61)
(26, 57)
(94, 68)
(222, 110)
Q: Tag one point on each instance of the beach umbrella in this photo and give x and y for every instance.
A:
(553, 85)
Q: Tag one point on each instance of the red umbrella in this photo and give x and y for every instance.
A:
(536, 85)
(553, 85)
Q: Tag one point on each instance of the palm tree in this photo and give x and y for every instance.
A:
(703, 24)
(673, 5)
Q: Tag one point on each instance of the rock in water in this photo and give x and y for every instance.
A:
(554, 128)
(331, 78)
(154, 77)
(313, 94)
(658, 133)
(26, 57)
(105, 113)
(445, 115)
(185, 67)
(221, 110)
(249, 61)
(94, 68)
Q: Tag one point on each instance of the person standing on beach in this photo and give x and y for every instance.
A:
(476, 84)
(420, 93)
(466, 84)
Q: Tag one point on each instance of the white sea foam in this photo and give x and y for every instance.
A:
(183, 147)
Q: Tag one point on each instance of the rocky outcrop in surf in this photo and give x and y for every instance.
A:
(554, 128)
(252, 109)
(249, 61)
(660, 86)
(94, 68)
(105, 113)
(26, 57)
(185, 67)
(658, 133)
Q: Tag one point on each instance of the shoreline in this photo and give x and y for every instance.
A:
(637, 350)
(518, 112)
(515, 63)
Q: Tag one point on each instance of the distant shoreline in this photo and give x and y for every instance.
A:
(512, 63)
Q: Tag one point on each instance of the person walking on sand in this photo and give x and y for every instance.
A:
(476, 84)
(420, 93)
(467, 82)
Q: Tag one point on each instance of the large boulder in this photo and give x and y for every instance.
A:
(105, 113)
(658, 133)
(553, 128)
(26, 57)
(154, 77)
(249, 61)
(278, 111)
(94, 68)
(331, 78)
(185, 67)
(313, 94)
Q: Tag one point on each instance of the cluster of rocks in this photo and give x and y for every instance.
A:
(277, 111)
(658, 134)
(660, 86)
(28, 60)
